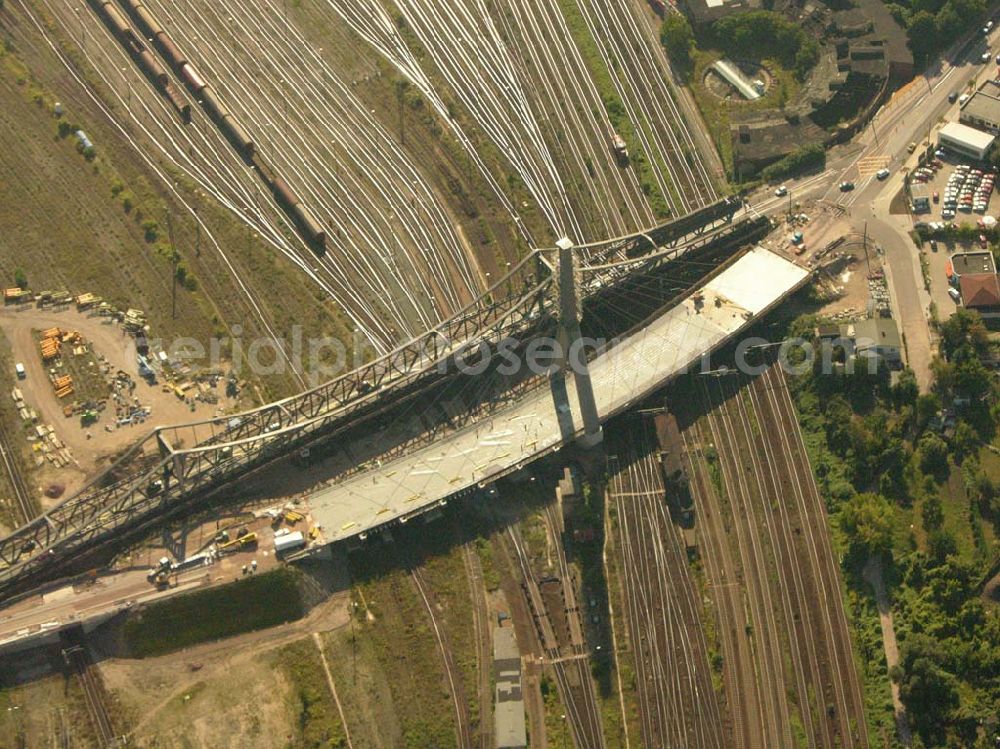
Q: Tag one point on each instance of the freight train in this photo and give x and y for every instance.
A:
(306, 223)
(140, 53)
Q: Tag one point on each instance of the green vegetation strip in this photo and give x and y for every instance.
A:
(249, 604)
(317, 722)
(922, 498)
(601, 77)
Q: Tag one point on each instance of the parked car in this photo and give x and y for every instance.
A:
(953, 97)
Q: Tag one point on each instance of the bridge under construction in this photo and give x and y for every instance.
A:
(165, 474)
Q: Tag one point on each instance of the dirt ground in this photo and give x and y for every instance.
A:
(846, 279)
(222, 694)
(89, 446)
(243, 703)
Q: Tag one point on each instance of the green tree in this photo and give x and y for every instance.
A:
(906, 391)
(932, 513)
(923, 35)
(941, 544)
(677, 38)
(928, 406)
(964, 442)
(964, 328)
(868, 521)
(20, 278)
(933, 453)
(927, 689)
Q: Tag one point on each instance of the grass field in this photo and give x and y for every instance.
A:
(397, 634)
(316, 722)
(263, 600)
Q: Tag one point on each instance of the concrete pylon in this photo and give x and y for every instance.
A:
(574, 357)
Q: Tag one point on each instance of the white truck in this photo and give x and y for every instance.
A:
(285, 542)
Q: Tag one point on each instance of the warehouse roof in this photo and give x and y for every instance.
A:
(984, 104)
(973, 262)
(976, 139)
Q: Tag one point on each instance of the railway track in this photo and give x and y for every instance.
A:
(483, 637)
(22, 496)
(369, 193)
(753, 554)
(87, 41)
(813, 521)
(76, 657)
(568, 661)
(801, 652)
(677, 702)
(639, 72)
(463, 733)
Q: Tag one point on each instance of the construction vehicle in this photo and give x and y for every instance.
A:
(238, 543)
(293, 517)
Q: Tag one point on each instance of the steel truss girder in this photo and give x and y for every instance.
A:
(98, 512)
(161, 472)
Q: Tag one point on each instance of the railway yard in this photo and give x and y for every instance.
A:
(380, 196)
(791, 673)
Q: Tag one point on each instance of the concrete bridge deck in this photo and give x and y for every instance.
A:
(548, 417)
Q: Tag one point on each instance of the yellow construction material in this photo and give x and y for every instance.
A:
(249, 538)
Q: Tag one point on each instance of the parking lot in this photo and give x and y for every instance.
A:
(959, 192)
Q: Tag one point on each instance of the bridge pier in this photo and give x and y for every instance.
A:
(574, 356)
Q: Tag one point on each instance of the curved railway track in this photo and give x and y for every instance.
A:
(462, 733)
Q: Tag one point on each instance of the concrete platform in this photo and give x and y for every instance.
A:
(548, 417)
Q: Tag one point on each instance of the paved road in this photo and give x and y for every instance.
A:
(912, 115)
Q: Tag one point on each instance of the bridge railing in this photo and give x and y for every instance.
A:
(160, 470)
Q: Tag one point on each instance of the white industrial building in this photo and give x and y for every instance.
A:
(965, 140)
